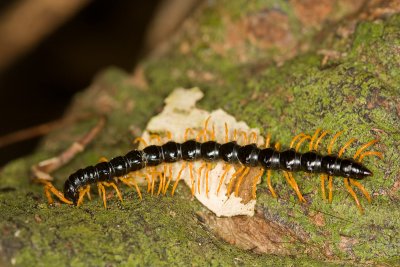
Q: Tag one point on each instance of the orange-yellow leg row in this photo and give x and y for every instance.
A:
(162, 179)
(271, 189)
(255, 180)
(208, 169)
(199, 177)
(295, 138)
(233, 178)
(323, 177)
(178, 178)
(353, 194)
(239, 182)
(221, 180)
(301, 141)
(365, 146)
(82, 192)
(49, 189)
(361, 188)
(292, 182)
(330, 188)
(330, 147)
(341, 151)
(313, 139)
(102, 192)
(130, 181)
(169, 179)
(370, 153)
(319, 140)
(139, 140)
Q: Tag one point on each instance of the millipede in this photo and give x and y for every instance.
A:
(242, 157)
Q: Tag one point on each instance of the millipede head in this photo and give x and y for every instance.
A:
(71, 192)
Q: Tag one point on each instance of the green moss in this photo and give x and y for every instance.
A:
(359, 95)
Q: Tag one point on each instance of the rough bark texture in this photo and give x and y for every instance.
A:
(286, 67)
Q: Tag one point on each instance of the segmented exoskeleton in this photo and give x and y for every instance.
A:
(247, 156)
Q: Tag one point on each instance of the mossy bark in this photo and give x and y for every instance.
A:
(283, 87)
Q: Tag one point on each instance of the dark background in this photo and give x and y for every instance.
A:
(39, 85)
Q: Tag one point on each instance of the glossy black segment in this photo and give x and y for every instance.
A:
(228, 152)
(269, 159)
(248, 155)
(289, 160)
(104, 171)
(135, 160)
(172, 152)
(91, 175)
(311, 162)
(153, 155)
(119, 166)
(191, 150)
(210, 151)
(329, 165)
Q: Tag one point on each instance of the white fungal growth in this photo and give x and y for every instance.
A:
(179, 114)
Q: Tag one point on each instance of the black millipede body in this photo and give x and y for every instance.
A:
(231, 152)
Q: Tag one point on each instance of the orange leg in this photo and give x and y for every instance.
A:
(151, 172)
(333, 141)
(82, 193)
(187, 132)
(253, 137)
(156, 137)
(205, 130)
(192, 180)
(212, 135)
(226, 133)
(221, 180)
(140, 140)
(341, 151)
(278, 146)
(267, 140)
(234, 135)
(255, 180)
(330, 187)
(362, 148)
(102, 193)
(101, 186)
(207, 177)
(313, 138)
(370, 153)
(323, 177)
(169, 135)
(362, 189)
(199, 177)
(162, 179)
(230, 185)
(295, 138)
(154, 175)
(169, 179)
(178, 178)
(239, 182)
(353, 194)
(301, 141)
(271, 189)
(201, 135)
(319, 139)
(49, 188)
(292, 182)
(148, 179)
(130, 181)
(244, 137)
